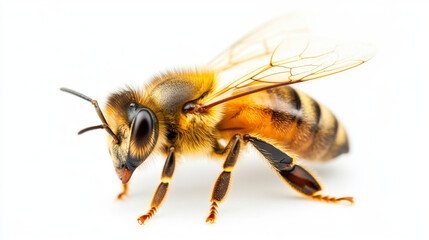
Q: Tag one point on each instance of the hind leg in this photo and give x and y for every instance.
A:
(296, 176)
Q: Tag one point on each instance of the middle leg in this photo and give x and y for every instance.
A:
(222, 183)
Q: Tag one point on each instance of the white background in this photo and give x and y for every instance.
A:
(56, 185)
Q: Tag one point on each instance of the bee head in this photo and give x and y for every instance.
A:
(132, 128)
(136, 128)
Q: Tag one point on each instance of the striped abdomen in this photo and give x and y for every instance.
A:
(289, 117)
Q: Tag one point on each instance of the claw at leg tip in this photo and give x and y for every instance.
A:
(349, 199)
(141, 220)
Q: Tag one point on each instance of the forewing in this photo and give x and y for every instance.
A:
(295, 59)
(262, 41)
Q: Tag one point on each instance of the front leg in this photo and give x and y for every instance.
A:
(222, 183)
(161, 191)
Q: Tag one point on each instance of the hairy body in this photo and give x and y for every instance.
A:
(282, 116)
(241, 97)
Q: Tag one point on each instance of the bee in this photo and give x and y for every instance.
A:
(241, 98)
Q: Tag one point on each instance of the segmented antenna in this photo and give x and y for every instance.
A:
(99, 113)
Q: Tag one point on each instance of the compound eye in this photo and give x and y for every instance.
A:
(142, 130)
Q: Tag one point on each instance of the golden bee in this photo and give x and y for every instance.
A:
(242, 97)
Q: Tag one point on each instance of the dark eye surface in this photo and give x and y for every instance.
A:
(132, 105)
(142, 129)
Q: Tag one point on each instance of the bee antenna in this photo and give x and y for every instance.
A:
(99, 113)
(90, 128)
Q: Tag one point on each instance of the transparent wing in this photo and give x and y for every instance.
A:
(262, 41)
(295, 59)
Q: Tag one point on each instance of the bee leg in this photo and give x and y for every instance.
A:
(161, 191)
(296, 176)
(302, 181)
(222, 183)
(124, 191)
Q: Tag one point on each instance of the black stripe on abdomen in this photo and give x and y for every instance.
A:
(324, 136)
